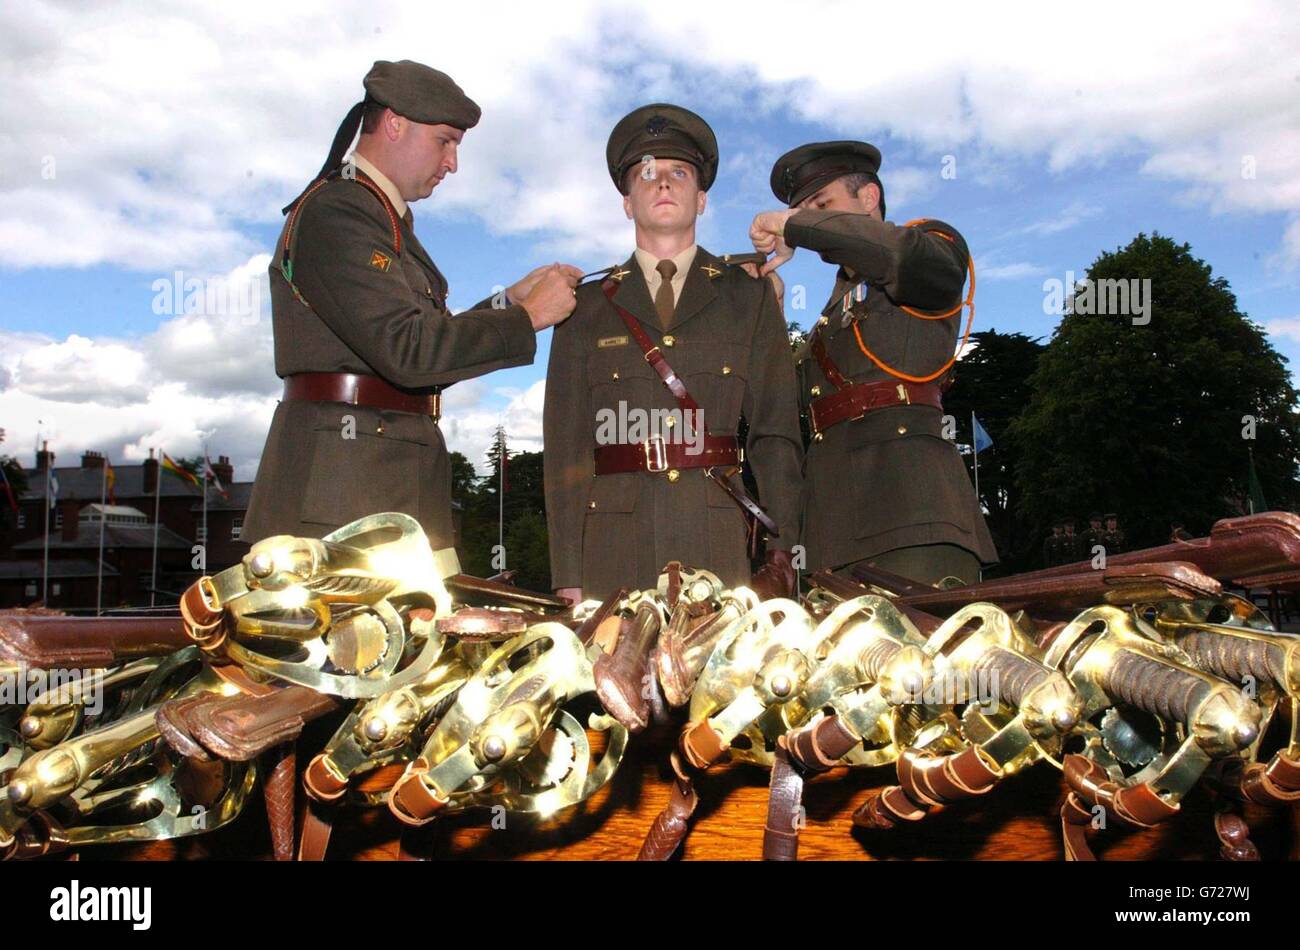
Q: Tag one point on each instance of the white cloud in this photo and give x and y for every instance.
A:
(1016, 271)
(1285, 326)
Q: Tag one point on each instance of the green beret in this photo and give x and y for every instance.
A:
(662, 131)
(421, 93)
(802, 171)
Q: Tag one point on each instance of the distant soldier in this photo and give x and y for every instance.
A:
(1113, 539)
(1093, 536)
(1071, 544)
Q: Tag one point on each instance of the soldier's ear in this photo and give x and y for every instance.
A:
(869, 196)
(627, 206)
(701, 201)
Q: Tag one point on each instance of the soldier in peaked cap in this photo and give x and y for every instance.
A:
(882, 484)
(647, 383)
(363, 337)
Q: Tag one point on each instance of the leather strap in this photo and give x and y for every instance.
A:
(670, 825)
(654, 356)
(859, 399)
(359, 390)
(928, 781)
(656, 455)
(820, 746)
(278, 789)
(317, 825)
(784, 808)
(690, 410)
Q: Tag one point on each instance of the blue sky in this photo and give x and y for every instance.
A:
(146, 140)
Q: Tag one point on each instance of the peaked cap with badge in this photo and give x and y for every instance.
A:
(622, 502)
(883, 485)
(364, 340)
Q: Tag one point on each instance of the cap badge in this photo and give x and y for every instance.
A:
(657, 125)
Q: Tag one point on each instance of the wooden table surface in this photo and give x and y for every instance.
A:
(1016, 821)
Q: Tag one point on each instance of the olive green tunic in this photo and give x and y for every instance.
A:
(730, 347)
(889, 480)
(388, 320)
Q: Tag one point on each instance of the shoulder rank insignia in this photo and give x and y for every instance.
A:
(710, 270)
(380, 261)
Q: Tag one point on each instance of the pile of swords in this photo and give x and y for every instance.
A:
(1139, 679)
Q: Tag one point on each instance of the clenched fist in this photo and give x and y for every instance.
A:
(767, 234)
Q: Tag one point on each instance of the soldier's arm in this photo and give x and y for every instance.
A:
(916, 268)
(402, 334)
(568, 462)
(771, 405)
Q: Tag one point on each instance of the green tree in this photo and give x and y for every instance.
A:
(17, 478)
(992, 381)
(1149, 420)
(464, 480)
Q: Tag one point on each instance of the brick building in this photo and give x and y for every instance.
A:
(128, 530)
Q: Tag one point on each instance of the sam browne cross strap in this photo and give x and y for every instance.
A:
(655, 455)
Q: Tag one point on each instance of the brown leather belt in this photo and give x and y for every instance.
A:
(358, 390)
(857, 399)
(655, 455)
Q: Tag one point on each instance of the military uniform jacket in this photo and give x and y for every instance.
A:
(730, 348)
(378, 310)
(889, 479)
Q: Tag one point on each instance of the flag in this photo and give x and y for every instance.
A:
(54, 489)
(208, 472)
(9, 492)
(982, 439)
(170, 466)
(1257, 502)
(110, 478)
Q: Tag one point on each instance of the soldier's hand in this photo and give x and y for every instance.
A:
(521, 288)
(573, 593)
(767, 234)
(553, 296)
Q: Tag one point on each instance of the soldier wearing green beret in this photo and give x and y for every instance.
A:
(647, 384)
(883, 486)
(363, 337)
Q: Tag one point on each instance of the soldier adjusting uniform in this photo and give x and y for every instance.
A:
(363, 339)
(727, 343)
(887, 480)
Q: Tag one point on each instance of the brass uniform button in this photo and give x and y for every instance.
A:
(670, 422)
(615, 376)
(591, 504)
(379, 429)
(726, 371)
(816, 390)
(670, 340)
(902, 430)
(673, 474)
(822, 321)
(817, 436)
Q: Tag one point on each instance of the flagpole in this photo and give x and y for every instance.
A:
(974, 451)
(103, 495)
(206, 467)
(157, 496)
(501, 493)
(45, 569)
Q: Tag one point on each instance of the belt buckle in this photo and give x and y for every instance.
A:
(657, 442)
(903, 395)
(437, 407)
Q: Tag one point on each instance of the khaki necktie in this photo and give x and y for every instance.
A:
(664, 303)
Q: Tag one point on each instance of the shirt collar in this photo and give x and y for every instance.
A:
(383, 181)
(682, 260)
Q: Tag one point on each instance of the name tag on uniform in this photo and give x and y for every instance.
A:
(612, 341)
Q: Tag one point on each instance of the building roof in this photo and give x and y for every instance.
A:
(115, 536)
(111, 511)
(77, 483)
(32, 570)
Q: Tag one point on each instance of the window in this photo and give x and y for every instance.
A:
(22, 519)
(55, 589)
(30, 589)
(236, 527)
(201, 533)
(58, 518)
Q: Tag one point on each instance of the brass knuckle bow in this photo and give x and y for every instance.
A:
(509, 739)
(328, 613)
